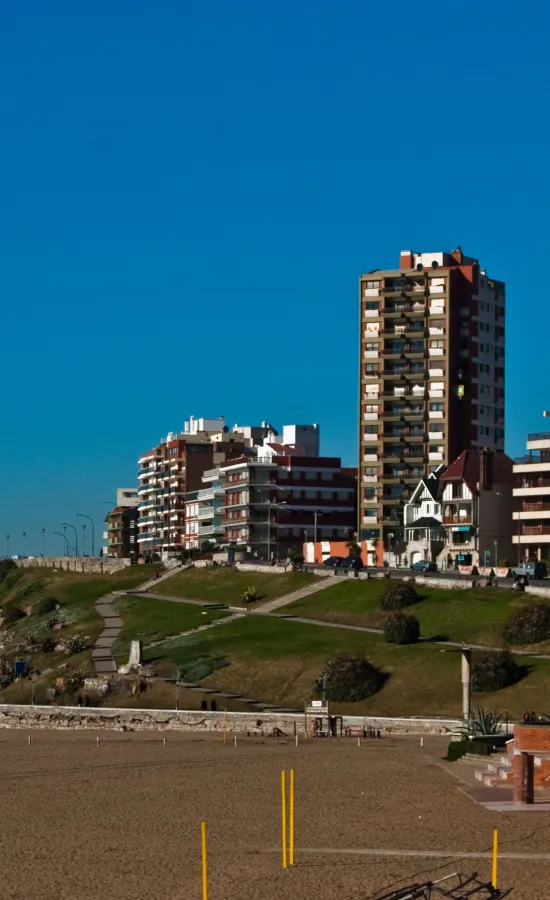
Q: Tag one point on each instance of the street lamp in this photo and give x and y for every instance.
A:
(24, 535)
(315, 514)
(390, 536)
(7, 546)
(43, 530)
(83, 552)
(93, 531)
(68, 525)
(64, 536)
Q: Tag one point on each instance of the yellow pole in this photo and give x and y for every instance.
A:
(225, 725)
(204, 873)
(291, 820)
(495, 857)
(283, 815)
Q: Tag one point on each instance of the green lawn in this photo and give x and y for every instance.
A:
(277, 661)
(474, 615)
(227, 585)
(148, 619)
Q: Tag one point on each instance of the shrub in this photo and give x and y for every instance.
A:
(52, 622)
(457, 749)
(47, 644)
(7, 672)
(75, 678)
(6, 566)
(75, 644)
(484, 722)
(250, 595)
(46, 605)
(349, 679)
(495, 671)
(401, 629)
(12, 615)
(528, 625)
(398, 597)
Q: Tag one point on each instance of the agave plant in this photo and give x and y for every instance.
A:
(483, 722)
(250, 595)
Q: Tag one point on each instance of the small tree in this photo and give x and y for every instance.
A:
(494, 671)
(6, 566)
(400, 628)
(354, 548)
(347, 679)
(12, 614)
(528, 625)
(46, 605)
(398, 597)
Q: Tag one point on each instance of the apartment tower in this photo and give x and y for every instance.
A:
(431, 379)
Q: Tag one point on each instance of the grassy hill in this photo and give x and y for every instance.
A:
(226, 585)
(472, 615)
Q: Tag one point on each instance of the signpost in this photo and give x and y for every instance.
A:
(317, 710)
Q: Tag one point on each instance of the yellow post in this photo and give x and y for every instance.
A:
(204, 872)
(283, 815)
(495, 858)
(225, 725)
(291, 819)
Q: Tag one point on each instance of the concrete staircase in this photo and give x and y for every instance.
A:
(279, 602)
(102, 656)
(492, 771)
(154, 581)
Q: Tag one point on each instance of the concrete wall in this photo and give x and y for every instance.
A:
(76, 718)
(81, 565)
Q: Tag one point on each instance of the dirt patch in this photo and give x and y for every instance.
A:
(123, 820)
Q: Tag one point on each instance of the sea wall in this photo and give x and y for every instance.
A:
(81, 565)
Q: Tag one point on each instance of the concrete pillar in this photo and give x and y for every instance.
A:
(523, 769)
(466, 683)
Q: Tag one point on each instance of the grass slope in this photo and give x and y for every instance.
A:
(148, 619)
(474, 615)
(227, 585)
(277, 661)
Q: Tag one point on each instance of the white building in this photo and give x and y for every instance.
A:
(532, 519)
(424, 532)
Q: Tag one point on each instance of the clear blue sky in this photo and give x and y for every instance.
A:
(189, 191)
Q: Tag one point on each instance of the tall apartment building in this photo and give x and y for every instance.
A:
(431, 377)
(120, 539)
(532, 519)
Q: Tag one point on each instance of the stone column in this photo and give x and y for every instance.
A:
(466, 683)
(523, 768)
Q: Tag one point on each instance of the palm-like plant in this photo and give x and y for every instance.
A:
(484, 722)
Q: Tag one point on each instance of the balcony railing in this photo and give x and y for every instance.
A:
(539, 436)
(533, 483)
(457, 520)
(535, 529)
(528, 458)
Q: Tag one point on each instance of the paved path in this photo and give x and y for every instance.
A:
(102, 656)
(271, 605)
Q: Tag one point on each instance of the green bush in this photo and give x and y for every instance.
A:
(200, 667)
(12, 614)
(494, 671)
(401, 629)
(46, 605)
(75, 644)
(347, 679)
(457, 749)
(398, 597)
(6, 566)
(528, 625)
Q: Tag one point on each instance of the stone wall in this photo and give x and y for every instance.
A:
(534, 739)
(81, 565)
(76, 718)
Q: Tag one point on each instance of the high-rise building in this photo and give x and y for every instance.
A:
(431, 378)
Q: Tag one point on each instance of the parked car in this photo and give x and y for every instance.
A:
(531, 569)
(423, 565)
(351, 562)
(333, 562)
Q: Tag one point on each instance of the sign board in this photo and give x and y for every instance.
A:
(20, 667)
(466, 570)
(316, 704)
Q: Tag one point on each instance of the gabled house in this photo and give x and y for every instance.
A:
(422, 519)
(476, 495)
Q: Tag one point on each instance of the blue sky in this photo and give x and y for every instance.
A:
(189, 191)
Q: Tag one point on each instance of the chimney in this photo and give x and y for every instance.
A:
(406, 259)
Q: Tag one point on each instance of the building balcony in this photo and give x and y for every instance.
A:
(208, 512)
(538, 440)
(458, 520)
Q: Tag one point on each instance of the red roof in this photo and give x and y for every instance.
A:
(467, 468)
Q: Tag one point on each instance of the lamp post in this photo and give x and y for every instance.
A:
(66, 546)
(68, 525)
(93, 531)
(315, 514)
(83, 552)
(24, 535)
(496, 552)
(43, 530)
(390, 536)
(7, 546)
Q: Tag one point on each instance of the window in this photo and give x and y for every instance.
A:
(371, 470)
(371, 512)
(373, 284)
(371, 304)
(311, 475)
(436, 407)
(435, 448)
(371, 368)
(428, 509)
(326, 476)
(371, 345)
(437, 509)
(371, 429)
(436, 343)
(457, 490)
(372, 408)
(370, 493)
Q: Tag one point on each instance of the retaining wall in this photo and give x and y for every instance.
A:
(76, 718)
(81, 565)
